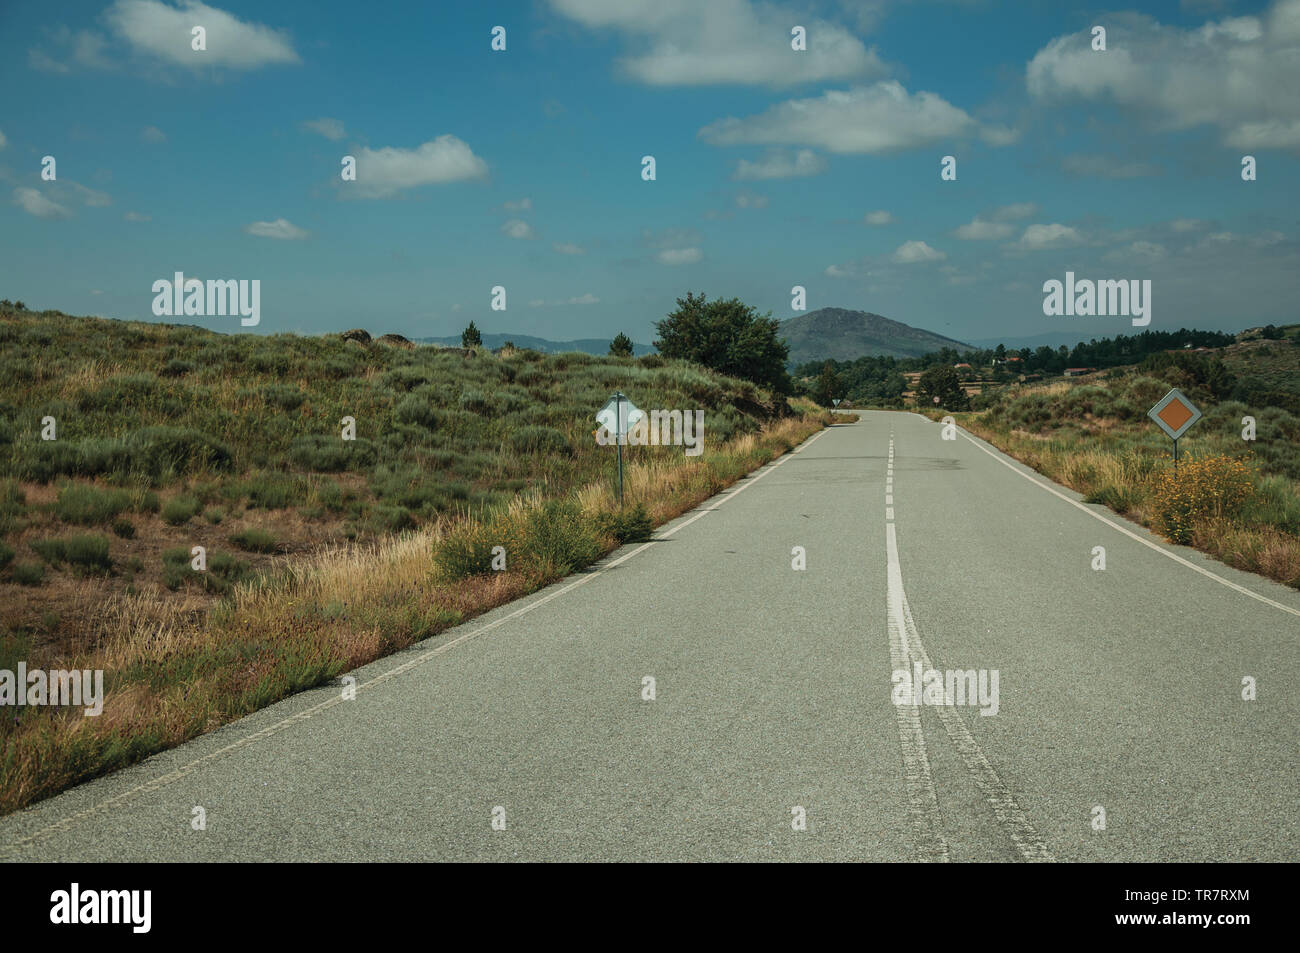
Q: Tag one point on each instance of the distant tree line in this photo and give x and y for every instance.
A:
(881, 380)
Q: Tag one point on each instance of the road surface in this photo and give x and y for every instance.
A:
(773, 733)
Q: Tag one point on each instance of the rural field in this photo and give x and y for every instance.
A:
(1235, 498)
(124, 445)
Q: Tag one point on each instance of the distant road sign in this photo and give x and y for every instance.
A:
(615, 408)
(1174, 413)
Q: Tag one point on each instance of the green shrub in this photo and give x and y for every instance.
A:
(214, 515)
(89, 553)
(390, 519)
(28, 574)
(538, 440)
(7, 554)
(626, 526)
(466, 551)
(557, 540)
(89, 506)
(255, 540)
(179, 511)
(330, 454)
(124, 528)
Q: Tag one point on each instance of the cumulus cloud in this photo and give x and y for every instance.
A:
(1137, 250)
(382, 173)
(1016, 210)
(523, 205)
(517, 228)
(568, 248)
(1042, 237)
(750, 200)
(1226, 74)
(163, 31)
(909, 253)
(281, 228)
(153, 134)
(778, 164)
(870, 120)
(137, 217)
(33, 202)
(331, 129)
(879, 217)
(680, 256)
(90, 197)
(979, 229)
(82, 47)
(3, 140)
(692, 43)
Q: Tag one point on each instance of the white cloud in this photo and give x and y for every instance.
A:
(84, 47)
(38, 59)
(281, 228)
(979, 229)
(588, 298)
(382, 173)
(750, 200)
(90, 197)
(1137, 250)
(536, 303)
(568, 248)
(1013, 211)
(137, 217)
(1188, 225)
(680, 256)
(3, 140)
(872, 120)
(153, 134)
(690, 42)
(331, 129)
(34, 203)
(164, 31)
(1041, 237)
(879, 217)
(776, 164)
(911, 252)
(523, 205)
(517, 228)
(1107, 167)
(1226, 74)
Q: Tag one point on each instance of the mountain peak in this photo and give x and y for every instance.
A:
(843, 335)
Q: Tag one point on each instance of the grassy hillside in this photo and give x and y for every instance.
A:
(322, 554)
(1236, 499)
(843, 335)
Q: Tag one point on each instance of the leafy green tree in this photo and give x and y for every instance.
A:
(944, 383)
(470, 337)
(828, 386)
(728, 336)
(621, 346)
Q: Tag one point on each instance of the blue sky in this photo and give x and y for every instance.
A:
(774, 168)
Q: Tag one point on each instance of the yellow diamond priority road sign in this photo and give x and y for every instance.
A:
(1174, 413)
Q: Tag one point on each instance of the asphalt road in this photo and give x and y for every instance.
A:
(1118, 689)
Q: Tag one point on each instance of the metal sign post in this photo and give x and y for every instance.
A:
(1174, 414)
(618, 443)
(613, 418)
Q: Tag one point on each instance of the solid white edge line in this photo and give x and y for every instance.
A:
(72, 820)
(1132, 535)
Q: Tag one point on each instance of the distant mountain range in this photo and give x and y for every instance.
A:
(843, 335)
(584, 345)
